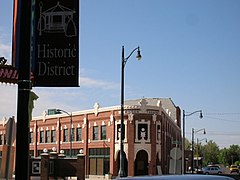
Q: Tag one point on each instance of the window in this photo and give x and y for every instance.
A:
(103, 133)
(31, 153)
(142, 131)
(99, 163)
(65, 135)
(95, 132)
(47, 137)
(4, 139)
(39, 152)
(1, 139)
(99, 152)
(72, 134)
(158, 132)
(53, 136)
(31, 137)
(119, 131)
(41, 136)
(79, 134)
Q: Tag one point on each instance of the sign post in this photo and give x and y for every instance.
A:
(22, 10)
(46, 42)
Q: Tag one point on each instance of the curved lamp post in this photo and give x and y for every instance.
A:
(71, 135)
(183, 139)
(198, 147)
(194, 132)
(122, 172)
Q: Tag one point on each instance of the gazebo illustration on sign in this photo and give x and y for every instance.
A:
(57, 19)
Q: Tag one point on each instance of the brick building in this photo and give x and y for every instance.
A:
(151, 127)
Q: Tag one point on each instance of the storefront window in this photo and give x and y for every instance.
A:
(99, 161)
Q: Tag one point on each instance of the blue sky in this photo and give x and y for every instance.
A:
(190, 53)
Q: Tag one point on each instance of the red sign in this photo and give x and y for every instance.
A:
(8, 74)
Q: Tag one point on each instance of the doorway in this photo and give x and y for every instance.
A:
(141, 163)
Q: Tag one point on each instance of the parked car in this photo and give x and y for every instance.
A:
(179, 177)
(234, 168)
(212, 170)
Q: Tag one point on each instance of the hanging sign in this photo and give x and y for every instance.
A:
(8, 74)
(56, 43)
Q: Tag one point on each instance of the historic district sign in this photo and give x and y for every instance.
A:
(56, 54)
(55, 58)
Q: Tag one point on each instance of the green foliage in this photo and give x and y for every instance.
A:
(230, 155)
(237, 163)
(213, 155)
(233, 154)
(210, 153)
(187, 145)
(222, 156)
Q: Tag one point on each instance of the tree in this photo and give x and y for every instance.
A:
(229, 155)
(188, 145)
(222, 157)
(210, 153)
(234, 154)
(213, 155)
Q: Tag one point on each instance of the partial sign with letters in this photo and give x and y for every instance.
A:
(56, 50)
(36, 167)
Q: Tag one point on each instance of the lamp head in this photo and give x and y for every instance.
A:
(139, 57)
(201, 115)
(58, 111)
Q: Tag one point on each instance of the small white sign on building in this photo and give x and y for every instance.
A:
(36, 167)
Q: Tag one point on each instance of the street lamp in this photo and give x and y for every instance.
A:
(183, 139)
(121, 172)
(193, 131)
(71, 135)
(198, 147)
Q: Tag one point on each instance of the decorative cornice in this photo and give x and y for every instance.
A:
(96, 108)
(130, 117)
(143, 107)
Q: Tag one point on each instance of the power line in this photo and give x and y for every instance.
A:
(222, 113)
(217, 133)
(223, 133)
(221, 119)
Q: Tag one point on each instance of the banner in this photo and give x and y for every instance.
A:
(56, 43)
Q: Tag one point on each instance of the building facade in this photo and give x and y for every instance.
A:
(151, 130)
